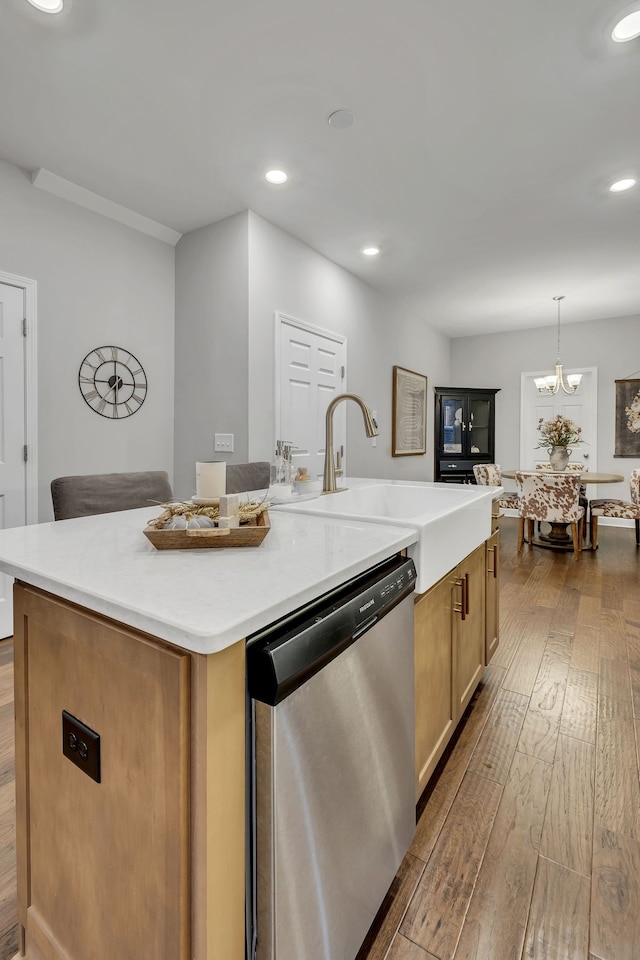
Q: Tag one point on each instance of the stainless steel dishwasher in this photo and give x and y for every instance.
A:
(332, 701)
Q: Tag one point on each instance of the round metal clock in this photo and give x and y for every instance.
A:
(113, 382)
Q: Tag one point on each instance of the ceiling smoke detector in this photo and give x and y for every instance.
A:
(341, 119)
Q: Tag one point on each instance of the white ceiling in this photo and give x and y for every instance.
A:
(485, 136)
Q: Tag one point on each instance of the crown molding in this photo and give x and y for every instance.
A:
(52, 183)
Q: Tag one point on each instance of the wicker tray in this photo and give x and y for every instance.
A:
(247, 535)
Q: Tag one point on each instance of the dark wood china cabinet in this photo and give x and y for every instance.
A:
(464, 431)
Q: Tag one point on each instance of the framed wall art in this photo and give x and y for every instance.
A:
(409, 414)
(627, 418)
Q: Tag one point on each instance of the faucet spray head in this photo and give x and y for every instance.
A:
(370, 425)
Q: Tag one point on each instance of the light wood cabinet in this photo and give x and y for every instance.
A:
(469, 627)
(452, 643)
(435, 715)
(492, 638)
(148, 862)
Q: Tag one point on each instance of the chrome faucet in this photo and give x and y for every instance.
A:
(371, 429)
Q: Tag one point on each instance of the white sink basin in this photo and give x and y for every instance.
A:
(450, 521)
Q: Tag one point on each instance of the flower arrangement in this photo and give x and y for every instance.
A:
(558, 432)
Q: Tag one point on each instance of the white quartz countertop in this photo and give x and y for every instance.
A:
(201, 600)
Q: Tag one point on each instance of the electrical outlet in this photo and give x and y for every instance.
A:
(81, 745)
(223, 443)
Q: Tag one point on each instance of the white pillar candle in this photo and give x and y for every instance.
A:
(211, 479)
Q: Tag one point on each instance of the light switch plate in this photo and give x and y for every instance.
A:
(223, 443)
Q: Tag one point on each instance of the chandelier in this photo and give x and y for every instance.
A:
(551, 384)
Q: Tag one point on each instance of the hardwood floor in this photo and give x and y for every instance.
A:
(528, 839)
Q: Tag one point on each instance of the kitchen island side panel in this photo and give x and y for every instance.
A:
(135, 865)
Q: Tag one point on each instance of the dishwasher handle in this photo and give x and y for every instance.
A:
(365, 626)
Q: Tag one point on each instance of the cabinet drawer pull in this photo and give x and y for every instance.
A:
(461, 608)
(465, 591)
(493, 569)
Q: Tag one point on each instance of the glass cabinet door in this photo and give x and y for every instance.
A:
(479, 426)
(453, 424)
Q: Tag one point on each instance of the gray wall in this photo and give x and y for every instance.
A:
(211, 346)
(231, 279)
(287, 276)
(99, 282)
(613, 346)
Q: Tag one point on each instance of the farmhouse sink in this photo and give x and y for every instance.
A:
(450, 520)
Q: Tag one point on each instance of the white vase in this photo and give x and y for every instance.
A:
(559, 457)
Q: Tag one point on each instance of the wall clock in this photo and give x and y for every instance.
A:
(113, 382)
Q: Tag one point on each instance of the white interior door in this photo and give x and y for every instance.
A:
(310, 371)
(581, 407)
(13, 500)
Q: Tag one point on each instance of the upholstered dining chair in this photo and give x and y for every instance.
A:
(620, 509)
(572, 468)
(550, 498)
(85, 496)
(248, 476)
(490, 475)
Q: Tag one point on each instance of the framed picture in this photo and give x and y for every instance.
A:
(409, 414)
(627, 418)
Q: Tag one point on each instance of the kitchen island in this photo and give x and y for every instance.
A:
(144, 856)
(146, 648)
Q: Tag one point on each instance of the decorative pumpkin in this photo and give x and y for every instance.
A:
(188, 521)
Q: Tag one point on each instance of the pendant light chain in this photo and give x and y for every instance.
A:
(558, 299)
(549, 386)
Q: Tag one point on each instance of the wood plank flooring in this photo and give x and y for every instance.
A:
(528, 839)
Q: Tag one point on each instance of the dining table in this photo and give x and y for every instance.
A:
(558, 536)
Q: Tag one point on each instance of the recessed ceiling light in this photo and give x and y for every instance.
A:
(621, 185)
(371, 251)
(628, 28)
(47, 6)
(276, 176)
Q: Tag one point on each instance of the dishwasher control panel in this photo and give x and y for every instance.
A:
(283, 656)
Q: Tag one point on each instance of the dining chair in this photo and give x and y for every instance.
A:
(90, 494)
(248, 476)
(572, 468)
(551, 498)
(490, 475)
(621, 509)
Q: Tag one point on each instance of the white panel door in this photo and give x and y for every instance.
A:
(12, 431)
(312, 365)
(581, 407)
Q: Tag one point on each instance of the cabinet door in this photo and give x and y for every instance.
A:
(453, 424)
(469, 627)
(480, 425)
(435, 719)
(492, 598)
